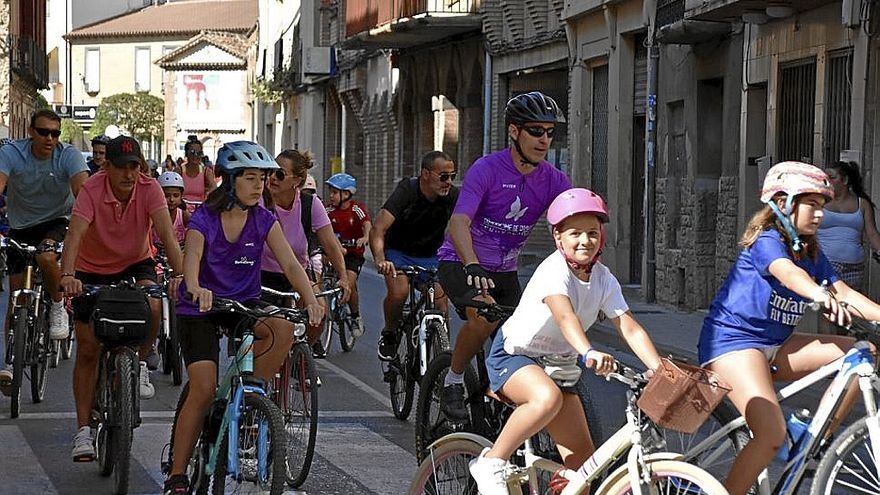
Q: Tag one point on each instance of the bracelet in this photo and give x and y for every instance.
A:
(585, 354)
(66, 274)
(177, 276)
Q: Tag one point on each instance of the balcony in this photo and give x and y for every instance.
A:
(733, 10)
(29, 61)
(407, 23)
(674, 28)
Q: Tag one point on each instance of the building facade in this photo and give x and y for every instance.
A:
(23, 63)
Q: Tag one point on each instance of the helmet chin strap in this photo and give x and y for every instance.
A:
(232, 200)
(522, 157)
(785, 219)
(588, 266)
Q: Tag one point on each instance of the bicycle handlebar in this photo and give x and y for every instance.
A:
(627, 376)
(492, 312)
(43, 247)
(154, 291)
(272, 292)
(290, 314)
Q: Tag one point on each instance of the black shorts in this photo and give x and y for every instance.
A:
(354, 263)
(200, 335)
(84, 305)
(453, 279)
(33, 236)
(276, 281)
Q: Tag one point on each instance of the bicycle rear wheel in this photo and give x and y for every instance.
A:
(401, 385)
(261, 449)
(667, 477)
(300, 414)
(20, 331)
(124, 392)
(343, 326)
(444, 471)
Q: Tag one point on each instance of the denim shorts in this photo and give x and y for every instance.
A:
(401, 259)
(501, 366)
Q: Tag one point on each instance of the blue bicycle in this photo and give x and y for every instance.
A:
(243, 439)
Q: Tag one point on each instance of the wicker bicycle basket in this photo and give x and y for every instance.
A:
(680, 396)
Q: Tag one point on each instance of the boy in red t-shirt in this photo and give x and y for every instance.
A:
(352, 224)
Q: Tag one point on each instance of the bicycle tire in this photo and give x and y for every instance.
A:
(20, 331)
(302, 409)
(326, 337)
(694, 480)
(67, 344)
(344, 328)
(175, 355)
(438, 339)
(104, 450)
(401, 387)
(254, 405)
(430, 423)
(39, 359)
(55, 352)
(849, 454)
(717, 459)
(123, 412)
(451, 461)
(195, 470)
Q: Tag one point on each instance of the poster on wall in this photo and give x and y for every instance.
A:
(210, 100)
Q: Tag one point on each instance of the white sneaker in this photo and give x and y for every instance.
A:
(489, 473)
(6, 380)
(145, 388)
(58, 324)
(84, 445)
(357, 327)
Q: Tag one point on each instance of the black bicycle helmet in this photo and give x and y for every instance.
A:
(532, 107)
(100, 139)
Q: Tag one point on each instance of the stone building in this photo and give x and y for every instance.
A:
(743, 86)
(23, 63)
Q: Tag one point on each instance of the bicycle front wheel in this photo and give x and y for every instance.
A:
(667, 477)
(401, 386)
(300, 414)
(849, 465)
(261, 449)
(20, 331)
(123, 412)
(39, 356)
(175, 356)
(444, 471)
(343, 326)
(326, 336)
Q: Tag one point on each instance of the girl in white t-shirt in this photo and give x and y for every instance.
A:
(563, 299)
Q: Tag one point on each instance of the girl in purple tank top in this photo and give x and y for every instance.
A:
(224, 245)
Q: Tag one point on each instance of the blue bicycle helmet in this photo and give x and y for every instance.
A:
(239, 155)
(343, 182)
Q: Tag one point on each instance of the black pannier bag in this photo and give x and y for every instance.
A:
(121, 316)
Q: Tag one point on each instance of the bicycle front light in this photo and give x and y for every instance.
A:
(299, 329)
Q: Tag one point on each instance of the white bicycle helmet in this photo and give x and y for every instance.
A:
(170, 179)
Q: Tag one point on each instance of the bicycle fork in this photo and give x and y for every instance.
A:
(423, 340)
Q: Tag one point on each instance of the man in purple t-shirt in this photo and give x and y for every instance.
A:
(503, 196)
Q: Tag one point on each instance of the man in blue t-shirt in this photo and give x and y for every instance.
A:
(41, 176)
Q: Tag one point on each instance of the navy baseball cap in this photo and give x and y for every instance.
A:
(123, 150)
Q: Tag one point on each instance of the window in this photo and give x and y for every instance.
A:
(838, 103)
(797, 107)
(142, 69)
(599, 165)
(92, 77)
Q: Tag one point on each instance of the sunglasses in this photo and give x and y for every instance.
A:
(539, 131)
(42, 131)
(445, 176)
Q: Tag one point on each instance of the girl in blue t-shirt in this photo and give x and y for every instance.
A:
(751, 322)
(224, 244)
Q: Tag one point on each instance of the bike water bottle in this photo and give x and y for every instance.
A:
(796, 426)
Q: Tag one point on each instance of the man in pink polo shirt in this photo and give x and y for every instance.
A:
(108, 241)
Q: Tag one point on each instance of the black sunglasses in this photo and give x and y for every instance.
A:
(445, 176)
(42, 131)
(539, 131)
(280, 174)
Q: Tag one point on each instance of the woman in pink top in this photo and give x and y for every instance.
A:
(284, 198)
(197, 181)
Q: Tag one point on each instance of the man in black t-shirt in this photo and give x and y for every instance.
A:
(408, 231)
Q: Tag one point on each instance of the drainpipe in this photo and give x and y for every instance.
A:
(487, 102)
(649, 273)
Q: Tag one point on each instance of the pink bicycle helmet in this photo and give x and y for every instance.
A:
(793, 179)
(574, 201)
(310, 183)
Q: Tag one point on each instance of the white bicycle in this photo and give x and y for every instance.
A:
(445, 467)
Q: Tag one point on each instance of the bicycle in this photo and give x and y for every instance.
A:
(169, 338)
(63, 348)
(28, 346)
(422, 334)
(116, 410)
(338, 319)
(295, 391)
(243, 437)
(445, 468)
(849, 460)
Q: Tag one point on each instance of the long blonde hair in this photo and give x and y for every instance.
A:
(765, 219)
